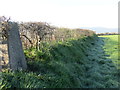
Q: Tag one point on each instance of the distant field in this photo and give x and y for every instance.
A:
(112, 48)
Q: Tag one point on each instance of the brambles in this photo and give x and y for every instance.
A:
(4, 26)
(34, 33)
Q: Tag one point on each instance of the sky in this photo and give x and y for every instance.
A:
(63, 13)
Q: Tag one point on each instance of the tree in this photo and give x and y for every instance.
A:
(15, 51)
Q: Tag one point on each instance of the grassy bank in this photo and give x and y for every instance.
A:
(74, 63)
(60, 65)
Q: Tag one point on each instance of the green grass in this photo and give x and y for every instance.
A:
(74, 63)
(112, 48)
(58, 66)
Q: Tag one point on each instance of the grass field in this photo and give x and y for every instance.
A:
(112, 48)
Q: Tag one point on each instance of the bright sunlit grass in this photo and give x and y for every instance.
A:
(112, 48)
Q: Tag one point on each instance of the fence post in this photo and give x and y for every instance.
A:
(15, 50)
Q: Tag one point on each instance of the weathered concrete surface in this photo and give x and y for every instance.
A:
(15, 50)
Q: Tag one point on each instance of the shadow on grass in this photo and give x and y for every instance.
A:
(77, 63)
